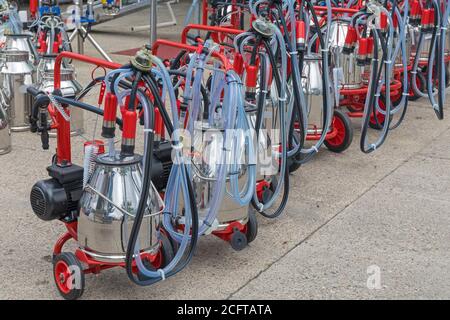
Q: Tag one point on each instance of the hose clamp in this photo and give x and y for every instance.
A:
(162, 274)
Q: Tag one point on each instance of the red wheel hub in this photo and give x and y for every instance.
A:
(339, 127)
(63, 277)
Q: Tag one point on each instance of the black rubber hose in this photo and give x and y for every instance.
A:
(295, 158)
(83, 106)
(285, 196)
(380, 70)
(262, 95)
(437, 58)
(143, 200)
(134, 90)
(375, 79)
(147, 178)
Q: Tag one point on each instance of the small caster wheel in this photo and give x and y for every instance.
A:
(252, 227)
(268, 190)
(238, 240)
(421, 85)
(344, 135)
(164, 257)
(69, 275)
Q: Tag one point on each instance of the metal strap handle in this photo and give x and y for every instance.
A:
(101, 195)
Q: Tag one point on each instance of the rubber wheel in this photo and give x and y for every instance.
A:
(165, 255)
(65, 266)
(421, 84)
(238, 240)
(252, 226)
(344, 137)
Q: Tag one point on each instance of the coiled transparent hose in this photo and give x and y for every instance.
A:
(231, 104)
(119, 75)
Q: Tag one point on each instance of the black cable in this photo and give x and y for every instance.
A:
(285, 196)
(141, 209)
(298, 157)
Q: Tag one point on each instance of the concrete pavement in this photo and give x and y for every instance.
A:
(351, 218)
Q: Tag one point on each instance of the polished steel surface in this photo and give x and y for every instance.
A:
(15, 62)
(108, 206)
(21, 42)
(5, 133)
(16, 73)
(15, 96)
(204, 170)
(350, 71)
(70, 87)
(312, 84)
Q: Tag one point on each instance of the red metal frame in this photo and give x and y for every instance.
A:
(158, 43)
(63, 153)
(95, 266)
(63, 150)
(212, 29)
(228, 232)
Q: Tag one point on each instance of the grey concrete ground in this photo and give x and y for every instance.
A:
(348, 214)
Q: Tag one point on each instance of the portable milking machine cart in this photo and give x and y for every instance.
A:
(113, 205)
(51, 38)
(263, 107)
(353, 45)
(110, 206)
(17, 70)
(223, 124)
(430, 42)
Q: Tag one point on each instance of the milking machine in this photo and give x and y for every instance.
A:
(51, 38)
(251, 53)
(17, 72)
(69, 87)
(315, 114)
(223, 124)
(224, 182)
(50, 31)
(431, 51)
(364, 43)
(110, 206)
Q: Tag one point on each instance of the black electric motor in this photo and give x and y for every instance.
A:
(58, 197)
